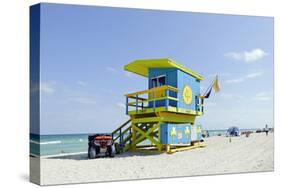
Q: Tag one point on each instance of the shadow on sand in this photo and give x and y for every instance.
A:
(85, 156)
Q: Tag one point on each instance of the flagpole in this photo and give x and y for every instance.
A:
(210, 87)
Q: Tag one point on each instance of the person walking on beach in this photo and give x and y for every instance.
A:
(266, 129)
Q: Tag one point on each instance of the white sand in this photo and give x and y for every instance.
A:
(243, 154)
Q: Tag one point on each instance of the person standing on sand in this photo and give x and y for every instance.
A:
(266, 129)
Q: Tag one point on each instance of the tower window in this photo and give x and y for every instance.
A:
(158, 81)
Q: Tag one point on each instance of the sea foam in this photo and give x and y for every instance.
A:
(45, 143)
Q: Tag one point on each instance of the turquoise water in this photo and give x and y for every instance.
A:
(216, 132)
(46, 145)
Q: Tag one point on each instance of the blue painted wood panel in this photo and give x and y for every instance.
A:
(186, 79)
(171, 80)
(177, 79)
(179, 136)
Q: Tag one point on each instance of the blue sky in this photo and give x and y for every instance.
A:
(84, 49)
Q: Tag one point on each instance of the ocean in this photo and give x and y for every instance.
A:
(48, 145)
(63, 144)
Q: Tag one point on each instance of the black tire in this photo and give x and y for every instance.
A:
(111, 151)
(92, 153)
(89, 152)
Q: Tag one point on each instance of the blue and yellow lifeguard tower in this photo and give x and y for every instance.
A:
(162, 118)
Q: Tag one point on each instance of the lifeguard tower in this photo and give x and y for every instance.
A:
(162, 118)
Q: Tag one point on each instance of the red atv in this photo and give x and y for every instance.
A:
(100, 145)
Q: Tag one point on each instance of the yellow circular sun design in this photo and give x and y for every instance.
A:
(187, 95)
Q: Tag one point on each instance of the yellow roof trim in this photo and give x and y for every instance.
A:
(141, 67)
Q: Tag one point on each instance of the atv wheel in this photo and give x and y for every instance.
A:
(112, 151)
(92, 153)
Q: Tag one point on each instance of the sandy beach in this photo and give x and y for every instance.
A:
(252, 154)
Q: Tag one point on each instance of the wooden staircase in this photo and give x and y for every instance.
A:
(128, 135)
(122, 136)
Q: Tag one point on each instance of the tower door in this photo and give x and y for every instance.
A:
(158, 82)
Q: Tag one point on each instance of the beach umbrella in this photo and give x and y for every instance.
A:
(233, 131)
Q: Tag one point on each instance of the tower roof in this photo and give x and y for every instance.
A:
(141, 67)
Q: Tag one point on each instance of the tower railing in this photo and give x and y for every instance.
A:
(147, 101)
(199, 104)
(140, 100)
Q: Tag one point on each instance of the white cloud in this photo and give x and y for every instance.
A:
(114, 70)
(247, 56)
(47, 87)
(262, 96)
(81, 83)
(111, 69)
(243, 78)
(235, 81)
(84, 100)
(121, 105)
(130, 75)
(220, 74)
(227, 95)
(253, 75)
